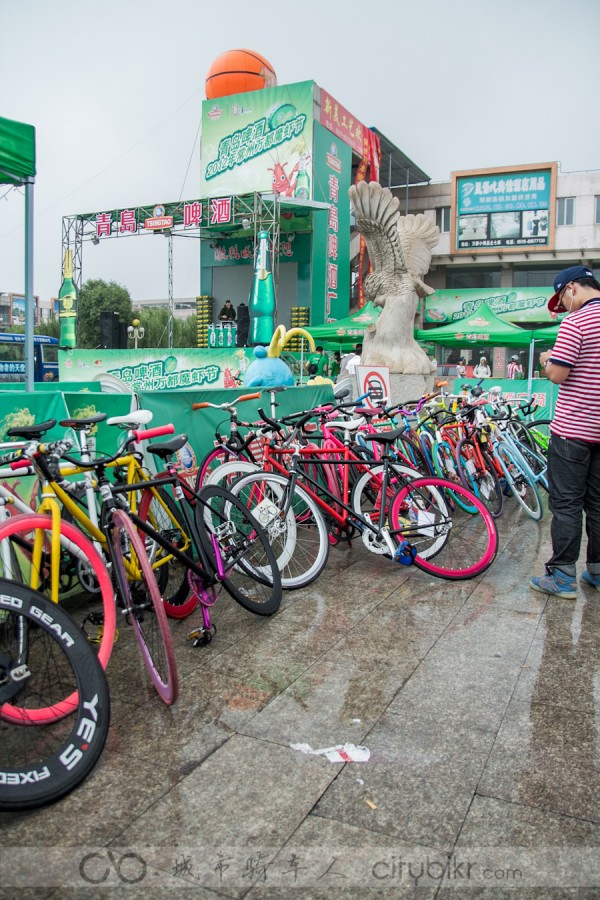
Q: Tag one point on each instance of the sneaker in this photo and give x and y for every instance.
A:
(558, 583)
(594, 580)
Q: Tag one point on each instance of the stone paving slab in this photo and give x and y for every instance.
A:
(477, 700)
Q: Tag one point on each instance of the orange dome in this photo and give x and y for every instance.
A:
(237, 71)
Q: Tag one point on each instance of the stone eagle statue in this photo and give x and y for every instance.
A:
(400, 253)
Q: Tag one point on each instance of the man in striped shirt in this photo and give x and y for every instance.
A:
(574, 452)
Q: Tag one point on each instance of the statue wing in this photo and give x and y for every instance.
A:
(417, 236)
(376, 212)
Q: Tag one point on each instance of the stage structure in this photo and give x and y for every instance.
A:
(279, 160)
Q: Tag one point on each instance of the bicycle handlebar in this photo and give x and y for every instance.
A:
(241, 399)
(152, 432)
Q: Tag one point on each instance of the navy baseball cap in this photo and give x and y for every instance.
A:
(573, 273)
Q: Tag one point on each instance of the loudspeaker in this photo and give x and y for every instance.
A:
(109, 330)
(122, 327)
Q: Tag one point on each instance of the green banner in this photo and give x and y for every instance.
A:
(331, 244)
(158, 370)
(20, 408)
(544, 392)
(258, 141)
(515, 305)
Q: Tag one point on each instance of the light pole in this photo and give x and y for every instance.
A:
(135, 331)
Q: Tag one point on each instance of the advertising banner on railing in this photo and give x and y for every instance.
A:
(158, 369)
(515, 305)
(259, 141)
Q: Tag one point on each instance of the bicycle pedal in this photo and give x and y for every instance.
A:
(405, 554)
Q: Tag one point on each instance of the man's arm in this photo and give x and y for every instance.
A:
(554, 371)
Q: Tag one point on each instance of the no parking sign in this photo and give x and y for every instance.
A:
(375, 382)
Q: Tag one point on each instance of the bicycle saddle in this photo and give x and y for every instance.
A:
(168, 448)
(385, 437)
(31, 431)
(131, 420)
(81, 424)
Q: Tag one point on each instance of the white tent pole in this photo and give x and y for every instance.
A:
(530, 373)
(29, 301)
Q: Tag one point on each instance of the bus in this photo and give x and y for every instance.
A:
(12, 357)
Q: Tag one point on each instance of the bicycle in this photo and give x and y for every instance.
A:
(45, 658)
(416, 526)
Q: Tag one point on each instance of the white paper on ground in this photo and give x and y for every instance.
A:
(340, 753)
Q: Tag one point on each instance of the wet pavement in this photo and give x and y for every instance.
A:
(478, 701)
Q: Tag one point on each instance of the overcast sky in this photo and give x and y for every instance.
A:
(114, 90)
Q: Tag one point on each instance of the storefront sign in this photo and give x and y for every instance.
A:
(257, 141)
(343, 124)
(503, 208)
(515, 305)
(159, 223)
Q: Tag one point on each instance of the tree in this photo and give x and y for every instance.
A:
(95, 297)
(155, 322)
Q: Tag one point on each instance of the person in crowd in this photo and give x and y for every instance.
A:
(461, 368)
(227, 313)
(574, 451)
(336, 365)
(482, 370)
(243, 325)
(514, 368)
(317, 363)
(354, 361)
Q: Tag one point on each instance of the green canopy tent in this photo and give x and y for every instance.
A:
(348, 331)
(484, 327)
(17, 167)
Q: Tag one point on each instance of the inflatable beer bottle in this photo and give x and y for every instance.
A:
(261, 305)
(67, 304)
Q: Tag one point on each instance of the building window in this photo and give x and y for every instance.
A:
(457, 278)
(597, 210)
(535, 277)
(565, 211)
(442, 219)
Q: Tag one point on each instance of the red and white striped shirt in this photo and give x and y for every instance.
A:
(577, 413)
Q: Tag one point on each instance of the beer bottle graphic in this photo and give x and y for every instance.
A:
(261, 304)
(67, 304)
(302, 189)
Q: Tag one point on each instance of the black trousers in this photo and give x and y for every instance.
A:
(574, 481)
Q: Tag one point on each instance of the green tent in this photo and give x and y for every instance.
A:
(481, 327)
(347, 331)
(17, 167)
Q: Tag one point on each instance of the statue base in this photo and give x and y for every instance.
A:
(410, 387)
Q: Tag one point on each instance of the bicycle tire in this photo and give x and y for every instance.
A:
(215, 458)
(539, 430)
(249, 574)
(144, 607)
(485, 483)
(171, 574)
(445, 466)
(229, 472)
(20, 527)
(411, 453)
(299, 540)
(41, 763)
(453, 545)
(523, 489)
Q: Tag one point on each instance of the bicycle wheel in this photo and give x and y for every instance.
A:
(42, 762)
(445, 466)
(143, 606)
(539, 432)
(229, 472)
(449, 544)
(211, 462)
(482, 480)
(238, 550)
(162, 514)
(366, 493)
(21, 530)
(523, 489)
(536, 463)
(298, 538)
(411, 453)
